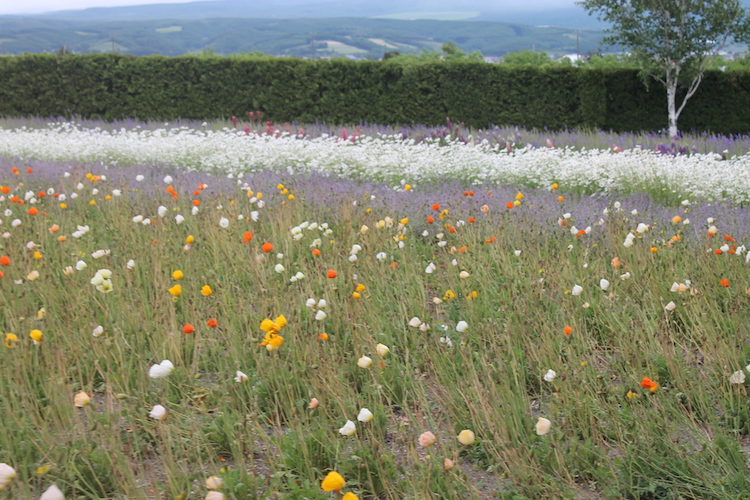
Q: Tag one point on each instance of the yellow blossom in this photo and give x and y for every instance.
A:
(177, 275)
(37, 255)
(360, 287)
(63, 205)
(333, 482)
(189, 240)
(10, 340)
(176, 291)
(206, 291)
(36, 336)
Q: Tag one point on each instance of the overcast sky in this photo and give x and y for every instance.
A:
(39, 6)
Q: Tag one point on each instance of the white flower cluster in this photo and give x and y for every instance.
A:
(695, 176)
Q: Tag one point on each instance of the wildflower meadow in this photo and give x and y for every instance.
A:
(231, 311)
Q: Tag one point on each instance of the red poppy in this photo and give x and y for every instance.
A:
(247, 237)
(509, 205)
(332, 274)
(430, 219)
(188, 328)
(266, 247)
(725, 283)
(33, 211)
(472, 219)
(212, 323)
(5, 260)
(436, 206)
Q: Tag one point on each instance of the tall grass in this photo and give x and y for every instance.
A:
(610, 437)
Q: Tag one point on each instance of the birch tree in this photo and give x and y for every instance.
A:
(673, 40)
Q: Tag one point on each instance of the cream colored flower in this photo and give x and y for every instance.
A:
(364, 362)
(7, 473)
(550, 375)
(52, 493)
(348, 429)
(671, 306)
(415, 322)
(737, 377)
(466, 437)
(462, 326)
(382, 349)
(161, 370)
(543, 426)
(364, 415)
(158, 412)
(241, 377)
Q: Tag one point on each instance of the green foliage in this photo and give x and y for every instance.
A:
(113, 86)
(529, 57)
(673, 41)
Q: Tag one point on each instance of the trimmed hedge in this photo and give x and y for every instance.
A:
(114, 86)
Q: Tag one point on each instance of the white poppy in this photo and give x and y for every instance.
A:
(364, 362)
(550, 375)
(241, 377)
(543, 426)
(158, 412)
(365, 415)
(52, 493)
(737, 377)
(348, 429)
(577, 290)
(462, 326)
(161, 370)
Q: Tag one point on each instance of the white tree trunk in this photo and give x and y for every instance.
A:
(671, 108)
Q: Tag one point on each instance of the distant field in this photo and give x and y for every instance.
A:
(435, 16)
(170, 29)
(342, 48)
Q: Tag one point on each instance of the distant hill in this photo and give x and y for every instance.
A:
(360, 37)
(557, 13)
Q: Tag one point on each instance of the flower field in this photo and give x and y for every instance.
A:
(195, 313)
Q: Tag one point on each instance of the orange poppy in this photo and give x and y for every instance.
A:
(491, 240)
(5, 260)
(718, 251)
(315, 252)
(323, 337)
(509, 205)
(267, 247)
(472, 219)
(649, 384)
(196, 203)
(567, 330)
(725, 283)
(436, 206)
(332, 274)
(212, 323)
(188, 328)
(33, 211)
(430, 219)
(5, 189)
(41, 194)
(247, 237)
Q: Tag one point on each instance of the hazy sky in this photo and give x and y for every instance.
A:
(39, 6)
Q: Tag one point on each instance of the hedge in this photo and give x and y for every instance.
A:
(114, 86)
